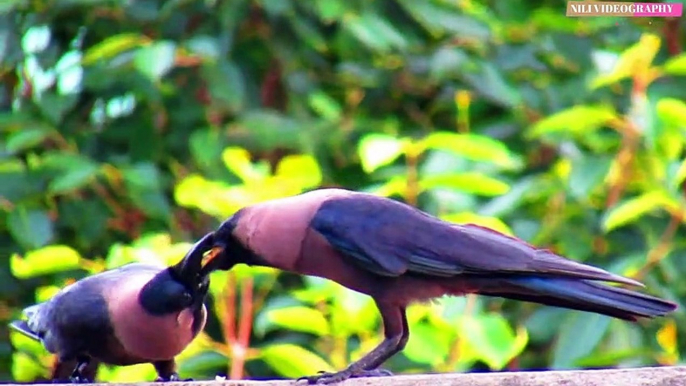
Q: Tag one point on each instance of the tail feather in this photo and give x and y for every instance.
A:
(583, 295)
(23, 327)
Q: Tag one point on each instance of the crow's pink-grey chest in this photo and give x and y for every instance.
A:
(145, 335)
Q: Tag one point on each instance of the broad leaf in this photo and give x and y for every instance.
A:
(112, 46)
(470, 182)
(580, 334)
(629, 210)
(156, 59)
(47, 260)
(293, 361)
(577, 120)
(31, 228)
(472, 146)
(299, 318)
(491, 339)
(675, 65)
(377, 150)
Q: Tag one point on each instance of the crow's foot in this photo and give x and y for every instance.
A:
(79, 379)
(325, 378)
(174, 377)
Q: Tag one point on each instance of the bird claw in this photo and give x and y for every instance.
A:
(78, 379)
(326, 378)
(373, 373)
(174, 377)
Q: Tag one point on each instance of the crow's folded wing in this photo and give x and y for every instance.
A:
(389, 238)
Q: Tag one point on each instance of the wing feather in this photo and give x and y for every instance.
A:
(390, 238)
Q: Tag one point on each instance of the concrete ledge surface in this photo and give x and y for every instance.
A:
(646, 376)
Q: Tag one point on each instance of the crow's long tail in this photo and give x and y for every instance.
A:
(577, 294)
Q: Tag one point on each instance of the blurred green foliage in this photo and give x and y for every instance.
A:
(128, 129)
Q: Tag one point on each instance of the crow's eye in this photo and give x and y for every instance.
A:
(187, 297)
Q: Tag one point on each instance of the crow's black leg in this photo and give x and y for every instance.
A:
(82, 362)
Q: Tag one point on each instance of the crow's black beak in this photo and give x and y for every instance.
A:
(214, 258)
(189, 269)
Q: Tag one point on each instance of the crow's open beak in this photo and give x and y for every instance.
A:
(211, 255)
(189, 269)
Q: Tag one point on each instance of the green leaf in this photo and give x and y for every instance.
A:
(19, 184)
(112, 46)
(630, 210)
(45, 261)
(492, 339)
(472, 146)
(377, 150)
(156, 60)
(24, 368)
(276, 8)
(614, 358)
(324, 105)
(299, 318)
(471, 182)
(354, 313)
(396, 185)
(293, 361)
(46, 293)
(206, 147)
(270, 129)
(375, 32)
(126, 374)
(237, 160)
(302, 170)
(152, 202)
(669, 145)
(55, 107)
(680, 175)
(119, 255)
(87, 217)
(9, 5)
(30, 228)
(25, 139)
(207, 47)
(212, 197)
(440, 18)
(310, 34)
(491, 82)
(74, 171)
(447, 63)
(25, 344)
(64, 161)
(623, 341)
(428, 344)
(73, 178)
(580, 334)
(676, 65)
(672, 111)
(577, 120)
(226, 84)
(19, 120)
(637, 59)
(202, 363)
(330, 10)
(587, 173)
(544, 321)
(143, 175)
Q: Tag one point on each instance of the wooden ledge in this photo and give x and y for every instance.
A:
(647, 376)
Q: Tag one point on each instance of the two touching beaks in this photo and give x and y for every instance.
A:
(200, 260)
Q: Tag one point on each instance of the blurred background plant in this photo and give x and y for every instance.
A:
(130, 128)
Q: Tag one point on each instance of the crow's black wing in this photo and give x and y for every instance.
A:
(390, 238)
